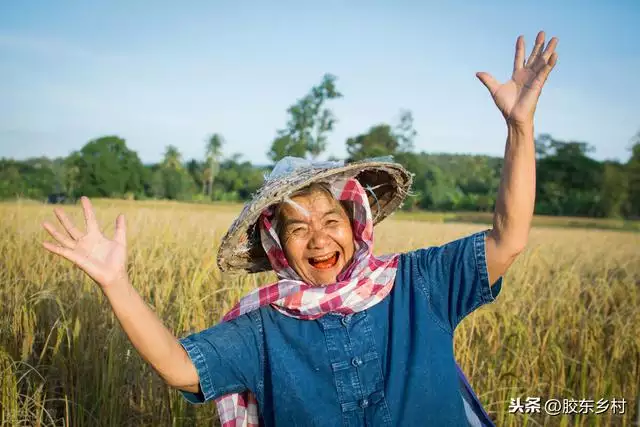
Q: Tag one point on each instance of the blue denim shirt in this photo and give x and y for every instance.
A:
(389, 365)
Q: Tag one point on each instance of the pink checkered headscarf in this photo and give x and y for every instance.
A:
(364, 283)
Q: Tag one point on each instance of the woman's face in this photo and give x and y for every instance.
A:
(318, 243)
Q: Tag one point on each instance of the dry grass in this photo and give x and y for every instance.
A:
(566, 325)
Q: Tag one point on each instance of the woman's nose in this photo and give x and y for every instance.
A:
(318, 239)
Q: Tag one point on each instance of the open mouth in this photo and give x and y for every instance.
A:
(324, 262)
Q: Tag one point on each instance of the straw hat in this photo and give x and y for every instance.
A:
(387, 184)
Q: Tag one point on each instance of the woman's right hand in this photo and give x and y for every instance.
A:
(104, 260)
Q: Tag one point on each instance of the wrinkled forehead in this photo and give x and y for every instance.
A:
(316, 200)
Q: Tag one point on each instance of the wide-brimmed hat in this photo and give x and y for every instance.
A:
(387, 184)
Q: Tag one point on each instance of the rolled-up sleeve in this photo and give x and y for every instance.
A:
(226, 357)
(456, 278)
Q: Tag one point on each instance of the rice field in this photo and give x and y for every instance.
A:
(566, 325)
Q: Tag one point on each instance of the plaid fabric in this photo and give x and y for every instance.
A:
(364, 283)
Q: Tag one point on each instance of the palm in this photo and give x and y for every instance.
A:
(517, 98)
(102, 259)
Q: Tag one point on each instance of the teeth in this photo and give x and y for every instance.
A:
(320, 259)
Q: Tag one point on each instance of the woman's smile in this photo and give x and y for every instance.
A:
(325, 262)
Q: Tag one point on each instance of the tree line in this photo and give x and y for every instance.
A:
(569, 181)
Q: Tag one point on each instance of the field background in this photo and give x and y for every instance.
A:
(566, 324)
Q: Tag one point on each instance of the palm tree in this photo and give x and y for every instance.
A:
(172, 158)
(205, 180)
(213, 153)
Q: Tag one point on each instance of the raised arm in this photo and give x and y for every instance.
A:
(155, 343)
(517, 100)
(104, 261)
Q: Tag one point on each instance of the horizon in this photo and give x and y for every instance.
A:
(73, 73)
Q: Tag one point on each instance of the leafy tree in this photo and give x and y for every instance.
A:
(452, 182)
(284, 145)
(308, 124)
(198, 172)
(633, 178)
(11, 184)
(105, 167)
(543, 145)
(29, 179)
(405, 132)
(170, 178)
(378, 141)
(70, 173)
(172, 158)
(38, 177)
(568, 180)
(33, 178)
(382, 140)
(237, 180)
(613, 191)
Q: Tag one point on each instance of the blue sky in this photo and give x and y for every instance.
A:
(159, 73)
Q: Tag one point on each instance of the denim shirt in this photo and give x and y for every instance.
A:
(390, 365)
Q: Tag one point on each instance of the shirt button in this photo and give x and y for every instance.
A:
(356, 361)
(364, 403)
(345, 320)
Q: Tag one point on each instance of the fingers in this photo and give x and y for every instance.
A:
(489, 82)
(541, 78)
(68, 225)
(59, 250)
(537, 49)
(551, 47)
(539, 59)
(518, 61)
(61, 238)
(89, 215)
(69, 254)
(120, 234)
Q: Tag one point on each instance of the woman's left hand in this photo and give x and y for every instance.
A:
(518, 97)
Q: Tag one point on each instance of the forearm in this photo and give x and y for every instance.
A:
(516, 195)
(155, 343)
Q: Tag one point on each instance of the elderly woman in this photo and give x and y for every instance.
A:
(343, 337)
